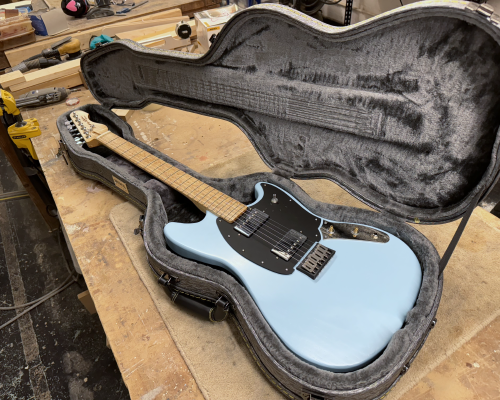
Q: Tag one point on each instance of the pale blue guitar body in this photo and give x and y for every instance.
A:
(339, 321)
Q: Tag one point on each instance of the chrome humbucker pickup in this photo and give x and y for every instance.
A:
(249, 222)
(316, 260)
(289, 244)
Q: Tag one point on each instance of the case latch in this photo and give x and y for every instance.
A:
(220, 311)
(140, 229)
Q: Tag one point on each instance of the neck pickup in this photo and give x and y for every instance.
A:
(250, 222)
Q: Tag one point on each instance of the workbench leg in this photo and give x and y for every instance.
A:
(8, 148)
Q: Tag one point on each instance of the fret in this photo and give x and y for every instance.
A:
(147, 163)
(105, 138)
(218, 206)
(115, 141)
(179, 183)
(214, 200)
(160, 170)
(210, 189)
(171, 172)
(196, 187)
(213, 204)
(124, 148)
(232, 208)
(194, 180)
(208, 202)
(137, 158)
(155, 165)
(132, 152)
(173, 182)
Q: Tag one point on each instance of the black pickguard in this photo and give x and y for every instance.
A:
(287, 213)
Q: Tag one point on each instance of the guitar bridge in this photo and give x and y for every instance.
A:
(316, 260)
(289, 244)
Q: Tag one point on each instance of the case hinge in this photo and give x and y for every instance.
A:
(486, 11)
(62, 151)
(283, 170)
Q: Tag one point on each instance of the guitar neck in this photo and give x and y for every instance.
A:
(209, 198)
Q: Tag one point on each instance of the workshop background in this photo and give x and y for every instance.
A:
(59, 349)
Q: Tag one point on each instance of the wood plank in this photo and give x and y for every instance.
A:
(123, 114)
(68, 81)
(155, 33)
(4, 63)
(152, 7)
(86, 299)
(48, 74)
(12, 78)
(115, 29)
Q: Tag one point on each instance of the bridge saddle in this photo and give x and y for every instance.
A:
(316, 260)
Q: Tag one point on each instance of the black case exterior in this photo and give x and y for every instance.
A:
(406, 131)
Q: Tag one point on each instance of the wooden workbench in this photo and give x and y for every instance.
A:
(144, 351)
(149, 360)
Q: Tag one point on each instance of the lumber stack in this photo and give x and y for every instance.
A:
(17, 55)
(63, 75)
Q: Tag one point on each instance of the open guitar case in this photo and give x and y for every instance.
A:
(402, 111)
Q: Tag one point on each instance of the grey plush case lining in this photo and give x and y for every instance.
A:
(403, 112)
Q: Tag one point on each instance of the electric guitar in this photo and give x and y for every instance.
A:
(333, 292)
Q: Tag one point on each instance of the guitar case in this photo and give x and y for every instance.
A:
(401, 110)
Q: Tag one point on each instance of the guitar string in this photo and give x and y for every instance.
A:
(282, 247)
(278, 235)
(276, 231)
(300, 252)
(276, 223)
(294, 257)
(278, 244)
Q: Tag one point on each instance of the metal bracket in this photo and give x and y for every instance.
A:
(61, 151)
(486, 11)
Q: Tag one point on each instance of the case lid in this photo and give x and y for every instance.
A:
(402, 110)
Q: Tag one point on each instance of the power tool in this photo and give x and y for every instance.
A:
(39, 63)
(21, 131)
(68, 46)
(24, 129)
(43, 97)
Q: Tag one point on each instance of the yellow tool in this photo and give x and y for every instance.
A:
(24, 129)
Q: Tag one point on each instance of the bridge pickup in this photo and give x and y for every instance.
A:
(289, 244)
(250, 222)
(316, 260)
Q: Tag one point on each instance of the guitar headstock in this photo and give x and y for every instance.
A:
(84, 130)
